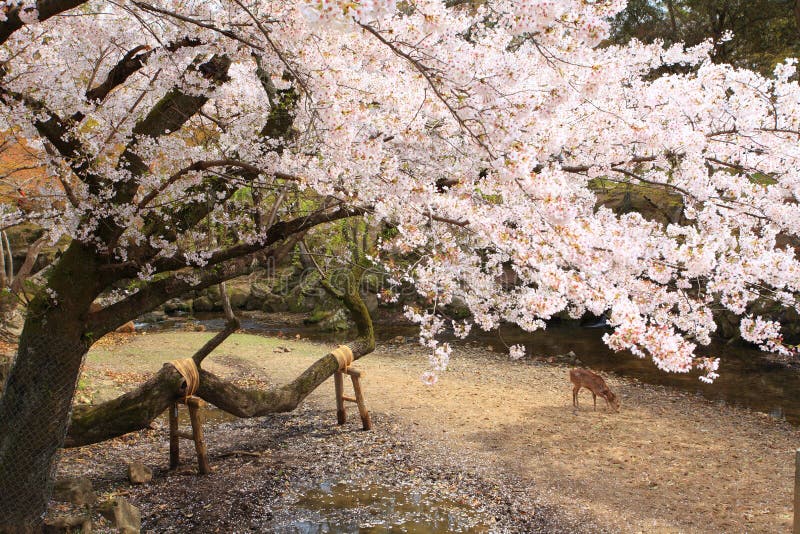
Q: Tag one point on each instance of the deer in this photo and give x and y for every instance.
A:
(583, 378)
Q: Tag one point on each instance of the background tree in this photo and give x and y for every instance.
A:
(764, 32)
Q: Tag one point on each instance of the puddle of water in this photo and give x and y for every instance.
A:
(344, 509)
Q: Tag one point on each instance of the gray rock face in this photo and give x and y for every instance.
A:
(138, 473)
(75, 490)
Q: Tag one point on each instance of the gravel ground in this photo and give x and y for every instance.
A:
(495, 446)
(302, 473)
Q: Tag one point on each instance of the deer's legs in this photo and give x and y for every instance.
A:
(594, 398)
(575, 391)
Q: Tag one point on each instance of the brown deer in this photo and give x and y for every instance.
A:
(583, 378)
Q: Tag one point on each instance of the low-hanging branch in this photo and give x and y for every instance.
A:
(135, 410)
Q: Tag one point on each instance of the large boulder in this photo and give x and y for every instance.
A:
(274, 303)
(212, 292)
(256, 298)
(155, 316)
(238, 298)
(127, 328)
(177, 305)
(336, 322)
(202, 304)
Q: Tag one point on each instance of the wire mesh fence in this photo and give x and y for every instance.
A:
(36, 399)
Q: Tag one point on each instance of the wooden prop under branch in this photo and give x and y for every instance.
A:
(344, 356)
(194, 404)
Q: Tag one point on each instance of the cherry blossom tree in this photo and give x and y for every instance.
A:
(477, 129)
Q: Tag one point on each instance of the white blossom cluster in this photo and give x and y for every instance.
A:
(480, 134)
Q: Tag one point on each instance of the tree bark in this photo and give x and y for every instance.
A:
(46, 9)
(38, 395)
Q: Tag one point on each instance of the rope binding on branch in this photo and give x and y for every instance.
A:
(344, 356)
(188, 370)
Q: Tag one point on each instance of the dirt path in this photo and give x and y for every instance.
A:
(668, 462)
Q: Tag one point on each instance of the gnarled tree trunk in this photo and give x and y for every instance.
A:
(39, 389)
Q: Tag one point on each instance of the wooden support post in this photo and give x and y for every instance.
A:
(355, 376)
(796, 527)
(338, 381)
(194, 403)
(174, 446)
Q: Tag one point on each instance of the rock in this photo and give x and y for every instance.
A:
(299, 301)
(212, 293)
(127, 328)
(281, 349)
(337, 322)
(398, 340)
(238, 298)
(317, 316)
(68, 523)
(77, 490)
(253, 303)
(202, 304)
(274, 303)
(458, 309)
(177, 305)
(126, 517)
(256, 298)
(153, 317)
(138, 473)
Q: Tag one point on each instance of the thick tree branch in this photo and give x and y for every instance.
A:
(276, 232)
(244, 402)
(159, 291)
(46, 9)
(130, 63)
(195, 167)
(56, 131)
(137, 409)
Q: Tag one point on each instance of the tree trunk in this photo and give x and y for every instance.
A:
(35, 406)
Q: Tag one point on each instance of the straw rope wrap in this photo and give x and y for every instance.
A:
(344, 356)
(188, 370)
